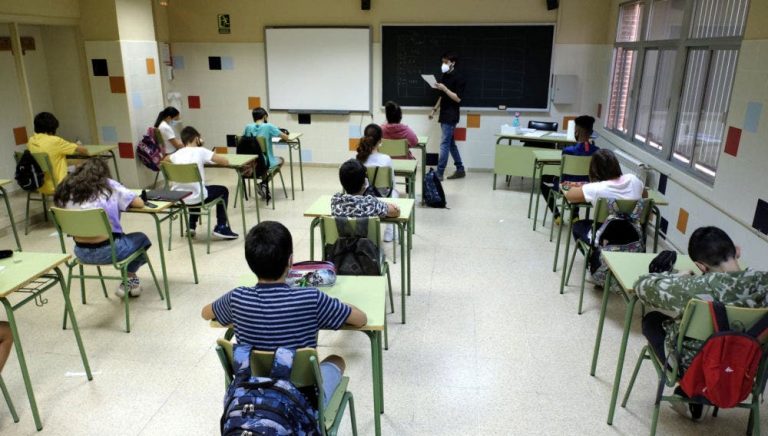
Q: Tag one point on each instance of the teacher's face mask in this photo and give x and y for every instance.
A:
(445, 68)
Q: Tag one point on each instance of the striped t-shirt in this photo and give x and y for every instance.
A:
(276, 315)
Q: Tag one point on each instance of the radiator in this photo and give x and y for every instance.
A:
(630, 164)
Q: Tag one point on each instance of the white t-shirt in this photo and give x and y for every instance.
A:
(377, 159)
(626, 187)
(167, 132)
(195, 155)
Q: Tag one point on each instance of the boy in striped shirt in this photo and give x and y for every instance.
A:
(271, 314)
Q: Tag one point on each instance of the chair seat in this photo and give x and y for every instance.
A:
(332, 408)
(280, 162)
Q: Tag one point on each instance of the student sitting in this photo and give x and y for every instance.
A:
(90, 187)
(192, 151)
(271, 314)
(584, 147)
(368, 154)
(354, 203)
(722, 280)
(261, 127)
(606, 181)
(45, 141)
(166, 119)
(393, 129)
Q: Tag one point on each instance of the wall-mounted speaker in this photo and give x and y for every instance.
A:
(365, 5)
(552, 4)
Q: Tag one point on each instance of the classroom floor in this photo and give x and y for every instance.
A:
(490, 346)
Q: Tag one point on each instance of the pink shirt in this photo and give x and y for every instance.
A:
(400, 131)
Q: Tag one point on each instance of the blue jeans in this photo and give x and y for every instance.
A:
(331, 378)
(124, 247)
(448, 145)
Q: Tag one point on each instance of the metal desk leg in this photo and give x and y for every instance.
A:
(22, 362)
(290, 163)
(114, 161)
(185, 219)
(559, 235)
(10, 216)
(378, 379)
(312, 225)
(403, 279)
(162, 260)
(657, 215)
(620, 363)
(75, 328)
(241, 189)
(424, 169)
(530, 200)
(301, 162)
(538, 195)
(599, 335)
(567, 244)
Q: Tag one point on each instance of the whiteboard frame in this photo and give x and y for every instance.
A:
(473, 108)
(324, 111)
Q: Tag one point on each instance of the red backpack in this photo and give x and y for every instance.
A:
(724, 369)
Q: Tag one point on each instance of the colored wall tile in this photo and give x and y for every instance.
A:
(682, 220)
(178, 62)
(227, 63)
(108, 134)
(353, 143)
(355, 131)
(760, 222)
(117, 84)
(150, 66)
(20, 135)
(460, 134)
(663, 183)
(99, 67)
(193, 101)
(732, 141)
(126, 150)
(136, 100)
(305, 119)
(752, 116)
(214, 63)
(254, 102)
(564, 126)
(231, 140)
(663, 226)
(473, 121)
(306, 156)
(221, 150)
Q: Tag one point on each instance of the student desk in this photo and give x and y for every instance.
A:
(626, 268)
(322, 207)
(4, 182)
(541, 158)
(535, 136)
(407, 168)
(293, 142)
(170, 210)
(28, 275)
(238, 162)
(98, 150)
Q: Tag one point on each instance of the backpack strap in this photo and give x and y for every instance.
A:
(347, 229)
(282, 364)
(759, 328)
(241, 360)
(719, 316)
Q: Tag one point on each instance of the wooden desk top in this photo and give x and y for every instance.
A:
(657, 197)
(423, 140)
(292, 137)
(628, 267)
(547, 137)
(24, 267)
(322, 207)
(4, 182)
(235, 161)
(95, 150)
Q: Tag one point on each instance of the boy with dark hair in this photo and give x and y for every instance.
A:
(45, 141)
(451, 87)
(261, 127)
(715, 254)
(353, 202)
(271, 314)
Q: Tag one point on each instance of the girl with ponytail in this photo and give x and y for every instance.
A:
(368, 154)
(166, 119)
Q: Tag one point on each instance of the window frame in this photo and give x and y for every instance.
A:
(681, 46)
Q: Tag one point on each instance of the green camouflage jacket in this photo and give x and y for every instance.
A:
(671, 292)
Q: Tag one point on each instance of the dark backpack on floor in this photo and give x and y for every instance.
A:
(266, 405)
(724, 370)
(434, 196)
(29, 175)
(353, 253)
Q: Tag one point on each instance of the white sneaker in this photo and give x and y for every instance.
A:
(389, 233)
(135, 290)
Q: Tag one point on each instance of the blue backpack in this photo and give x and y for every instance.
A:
(268, 406)
(434, 196)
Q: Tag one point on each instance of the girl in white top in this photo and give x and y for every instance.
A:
(606, 181)
(166, 119)
(368, 154)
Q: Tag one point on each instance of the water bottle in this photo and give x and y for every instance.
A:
(516, 123)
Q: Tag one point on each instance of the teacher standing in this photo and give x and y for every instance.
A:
(451, 87)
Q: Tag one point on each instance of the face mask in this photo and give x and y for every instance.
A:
(175, 122)
(445, 68)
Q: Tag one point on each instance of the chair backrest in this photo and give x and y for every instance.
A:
(262, 143)
(85, 223)
(329, 233)
(182, 173)
(302, 373)
(627, 206)
(543, 125)
(380, 177)
(394, 147)
(575, 165)
(44, 161)
(697, 320)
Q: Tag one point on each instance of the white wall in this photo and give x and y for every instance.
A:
(12, 112)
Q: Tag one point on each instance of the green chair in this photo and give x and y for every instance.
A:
(189, 173)
(395, 148)
(697, 324)
(573, 166)
(8, 401)
(305, 372)
(600, 215)
(91, 223)
(45, 165)
(273, 170)
(381, 178)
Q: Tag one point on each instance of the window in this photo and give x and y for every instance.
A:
(684, 53)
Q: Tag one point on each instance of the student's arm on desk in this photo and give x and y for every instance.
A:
(137, 202)
(670, 290)
(575, 195)
(356, 318)
(393, 210)
(207, 312)
(219, 159)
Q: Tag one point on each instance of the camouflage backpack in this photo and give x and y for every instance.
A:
(619, 232)
(269, 406)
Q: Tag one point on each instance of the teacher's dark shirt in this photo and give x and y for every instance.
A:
(449, 109)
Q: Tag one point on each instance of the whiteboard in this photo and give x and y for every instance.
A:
(319, 68)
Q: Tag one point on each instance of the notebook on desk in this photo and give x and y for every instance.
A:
(165, 195)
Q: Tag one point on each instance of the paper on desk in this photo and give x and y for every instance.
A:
(537, 134)
(556, 135)
(430, 79)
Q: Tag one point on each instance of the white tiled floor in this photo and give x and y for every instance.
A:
(490, 346)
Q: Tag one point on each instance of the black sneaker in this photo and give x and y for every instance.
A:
(457, 175)
(224, 232)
